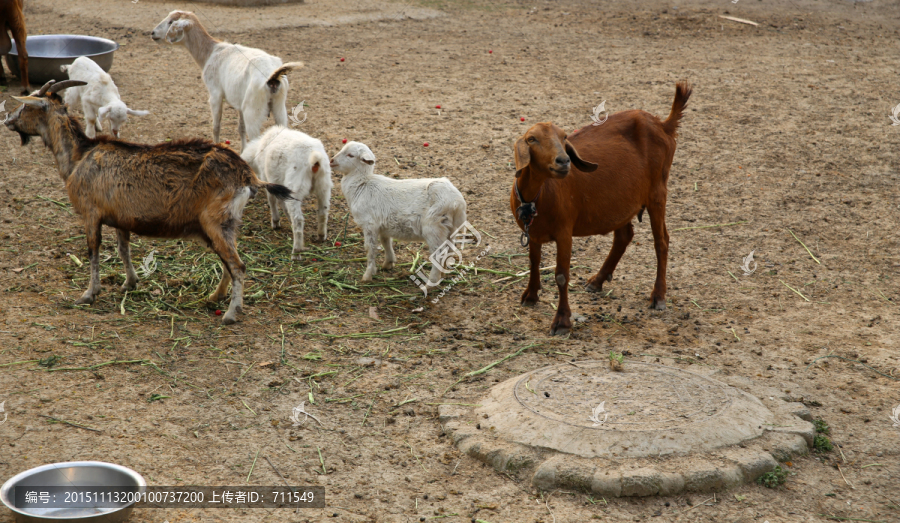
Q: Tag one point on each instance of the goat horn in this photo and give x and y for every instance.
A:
(46, 86)
(59, 86)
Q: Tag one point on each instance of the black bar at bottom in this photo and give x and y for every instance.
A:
(32, 497)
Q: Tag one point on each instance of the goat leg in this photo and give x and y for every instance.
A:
(131, 279)
(371, 251)
(224, 245)
(661, 243)
(389, 258)
(530, 296)
(92, 230)
(274, 210)
(215, 105)
(222, 289)
(295, 211)
(562, 322)
(621, 239)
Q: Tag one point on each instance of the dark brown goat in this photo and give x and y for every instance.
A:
(183, 189)
(12, 20)
(559, 193)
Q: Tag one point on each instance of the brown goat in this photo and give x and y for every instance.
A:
(12, 19)
(559, 193)
(182, 189)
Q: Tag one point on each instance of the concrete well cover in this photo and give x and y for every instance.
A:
(680, 429)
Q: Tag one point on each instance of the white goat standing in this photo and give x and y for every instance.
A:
(427, 209)
(299, 162)
(99, 99)
(250, 80)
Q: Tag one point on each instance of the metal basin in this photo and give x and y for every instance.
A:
(47, 52)
(73, 473)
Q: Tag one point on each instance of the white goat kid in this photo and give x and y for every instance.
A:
(99, 99)
(250, 80)
(299, 162)
(428, 209)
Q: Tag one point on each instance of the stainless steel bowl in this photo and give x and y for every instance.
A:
(73, 473)
(47, 52)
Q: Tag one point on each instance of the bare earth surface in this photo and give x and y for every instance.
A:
(787, 130)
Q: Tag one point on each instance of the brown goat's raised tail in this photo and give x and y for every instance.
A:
(682, 93)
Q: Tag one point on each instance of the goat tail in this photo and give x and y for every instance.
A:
(279, 191)
(317, 160)
(682, 93)
(274, 81)
(65, 68)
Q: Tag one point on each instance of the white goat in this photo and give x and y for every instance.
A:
(299, 162)
(250, 80)
(428, 209)
(99, 98)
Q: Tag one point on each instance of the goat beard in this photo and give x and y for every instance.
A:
(24, 137)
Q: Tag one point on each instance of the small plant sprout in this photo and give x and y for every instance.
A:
(596, 412)
(616, 361)
(822, 444)
(774, 478)
(895, 115)
(821, 426)
(148, 266)
(746, 266)
(297, 411)
(895, 416)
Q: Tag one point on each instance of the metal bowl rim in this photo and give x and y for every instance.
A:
(7, 486)
(15, 52)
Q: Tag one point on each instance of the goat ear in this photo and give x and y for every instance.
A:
(368, 157)
(132, 112)
(523, 156)
(175, 33)
(101, 114)
(583, 166)
(36, 101)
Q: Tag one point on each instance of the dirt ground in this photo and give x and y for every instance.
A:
(788, 131)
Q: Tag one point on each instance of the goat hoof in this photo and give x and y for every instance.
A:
(609, 277)
(276, 225)
(214, 298)
(84, 300)
(387, 266)
(128, 286)
(658, 304)
(560, 331)
(228, 320)
(295, 256)
(593, 287)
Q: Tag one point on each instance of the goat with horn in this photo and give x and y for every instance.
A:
(187, 188)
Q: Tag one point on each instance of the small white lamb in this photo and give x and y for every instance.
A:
(428, 209)
(299, 162)
(99, 98)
